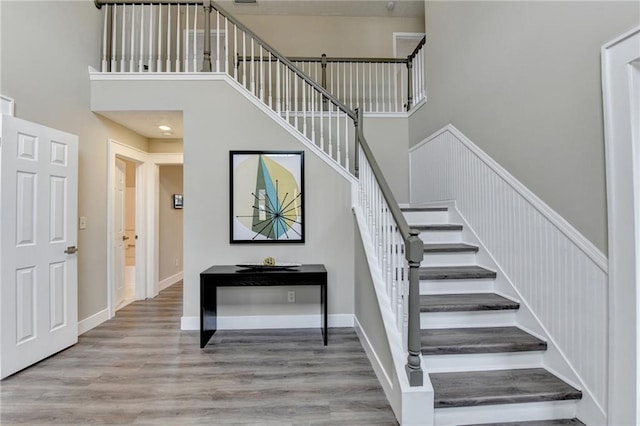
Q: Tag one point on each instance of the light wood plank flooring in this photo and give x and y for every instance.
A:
(139, 368)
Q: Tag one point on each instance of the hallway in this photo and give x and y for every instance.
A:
(139, 368)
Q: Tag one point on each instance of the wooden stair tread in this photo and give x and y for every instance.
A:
(473, 388)
(455, 272)
(424, 209)
(437, 227)
(557, 422)
(465, 302)
(442, 341)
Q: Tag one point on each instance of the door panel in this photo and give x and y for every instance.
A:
(38, 280)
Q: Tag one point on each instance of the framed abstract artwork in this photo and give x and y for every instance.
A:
(266, 196)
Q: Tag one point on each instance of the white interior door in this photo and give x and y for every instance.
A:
(38, 264)
(119, 232)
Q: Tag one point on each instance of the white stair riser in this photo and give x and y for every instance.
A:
(449, 259)
(505, 413)
(479, 362)
(426, 217)
(441, 236)
(456, 286)
(503, 318)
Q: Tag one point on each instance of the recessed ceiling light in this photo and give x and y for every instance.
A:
(164, 127)
(167, 133)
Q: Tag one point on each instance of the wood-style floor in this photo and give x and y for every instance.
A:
(139, 368)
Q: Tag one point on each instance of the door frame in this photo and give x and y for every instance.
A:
(117, 149)
(620, 73)
(147, 216)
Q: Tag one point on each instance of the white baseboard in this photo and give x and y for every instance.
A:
(93, 321)
(169, 281)
(378, 368)
(256, 322)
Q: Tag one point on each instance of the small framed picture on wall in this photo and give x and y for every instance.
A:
(177, 201)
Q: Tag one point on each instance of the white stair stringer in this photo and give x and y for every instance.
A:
(407, 402)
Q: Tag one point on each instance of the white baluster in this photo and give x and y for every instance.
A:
(395, 91)
(312, 95)
(244, 59)
(390, 70)
(187, 46)
(226, 45)
(150, 58)
(278, 101)
(350, 85)
(337, 134)
(178, 39)
(321, 109)
(159, 58)
(218, 41)
(124, 37)
(330, 104)
(382, 82)
(270, 81)
(287, 100)
(168, 61)
(377, 89)
(141, 57)
(304, 108)
(236, 63)
(261, 75)
(104, 64)
(370, 91)
(133, 38)
(294, 78)
(195, 38)
(253, 70)
(346, 141)
(114, 21)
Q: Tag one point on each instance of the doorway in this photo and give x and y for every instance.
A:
(125, 235)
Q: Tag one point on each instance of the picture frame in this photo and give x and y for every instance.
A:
(178, 201)
(266, 202)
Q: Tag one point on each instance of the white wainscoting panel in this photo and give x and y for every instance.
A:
(559, 273)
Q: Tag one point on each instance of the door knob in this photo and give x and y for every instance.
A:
(71, 250)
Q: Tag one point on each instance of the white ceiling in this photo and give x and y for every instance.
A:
(145, 123)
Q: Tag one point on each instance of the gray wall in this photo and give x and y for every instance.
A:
(171, 235)
(387, 137)
(212, 127)
(522, 80)
(333, 35)
(367, 309)
(45, 50)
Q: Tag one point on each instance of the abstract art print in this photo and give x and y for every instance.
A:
(267, 196)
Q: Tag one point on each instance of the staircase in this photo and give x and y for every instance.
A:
(484, 368)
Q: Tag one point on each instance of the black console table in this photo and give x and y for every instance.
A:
(234, 276)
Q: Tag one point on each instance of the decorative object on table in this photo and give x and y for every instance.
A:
(177, 201)
(262, 266)
(269, 261)
(266, 196)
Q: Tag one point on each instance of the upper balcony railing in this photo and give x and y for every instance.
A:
(198, 36)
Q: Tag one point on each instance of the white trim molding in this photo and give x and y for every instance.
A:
(169, 281)
(559, 275)
(7, 105)
(621, 107)
(93, 321)
(263, 322)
